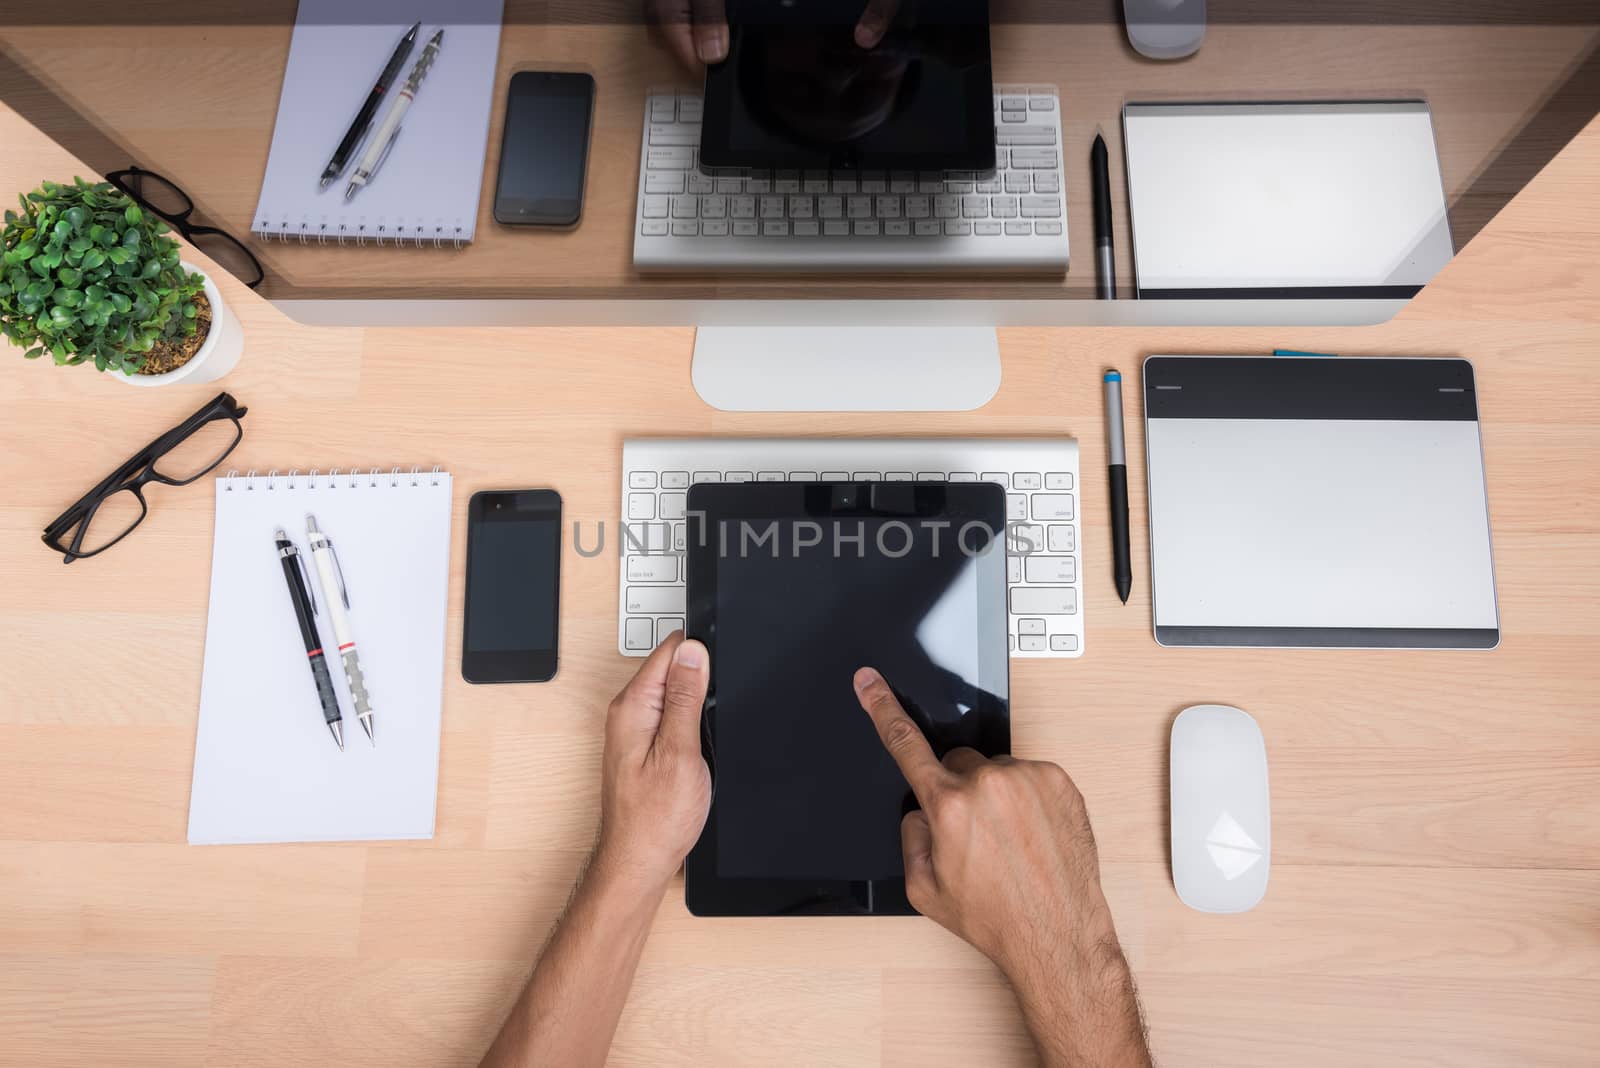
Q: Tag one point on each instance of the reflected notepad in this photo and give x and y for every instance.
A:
(265, 767)
(428, 188)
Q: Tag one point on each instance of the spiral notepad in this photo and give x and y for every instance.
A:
(427, 190)
(265, 767)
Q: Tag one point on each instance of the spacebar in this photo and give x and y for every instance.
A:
(656, 600)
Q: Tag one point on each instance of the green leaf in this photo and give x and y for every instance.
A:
(93, 258)
(99, 362)
(69, 276)
(130, 241)
(121, 303)
(33, 354)
(95, 293)
(71, 298)
(151, 269)
(25, 251)
(119, 255)
(133, 214)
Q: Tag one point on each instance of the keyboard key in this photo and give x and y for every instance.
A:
(758, 185)
(1047, 182)
(1004, 207)
(886, 207)
(672, 506)
(668, 159)
(1033, 158)
(918, 207)
(1030, 626)
(897, 228)
(685, 228)
(663, 183)
(775, 228)
(678, 537)
(989, 185)
(1030, 643)
(1019, 229)
(987, 228)
(846, 185)
(1013, 116)
(654, 228)
(1013, 570)
(836, 228)
(700, 183)
(743, 207)
(689, 108)
(663, 109)
(1024, 538)
(707, 476)
(714, 228)
(665, 626)
(928, 228)
(874, 185)
(963, 476)
(802, 476)
(975, 207)
(999, 478)
(653, 568)
(674, 479)
(685, 207)
(807, 228)
(830, 207)
(903, 182)
(1013, 103)
(641, 506)
(865, 476)
(1047, 227)
(1053, 506)
(1051, 568)
(1025, 600)
(858, 207)
(836, 476)
(958, 187)
(745, 228)
(1063, 643)
(957, 228)
(1063, 538)
(931, 183)
(866, 228)
(1058, 480)
(897, 476)
(649, 538)
(1017, 183)
(1026, 480)
(1016, 507)
(1041, 103)
(786, 186)
(930, 476)
(713, 207)
(1024, 137)
(729, 186)
(656, 207)
(1041, 207)
(961, 176)
(814, 185)
(771, 207)
(946, 207)
(663, 600)
(641, 480)
(739, 476)
(636, 633)
(770, 476)
(802, 208)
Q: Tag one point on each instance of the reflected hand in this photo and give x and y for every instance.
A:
(655, 786)
(696, 31)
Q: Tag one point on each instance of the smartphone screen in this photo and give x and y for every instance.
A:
(513, 586)
(544, 151)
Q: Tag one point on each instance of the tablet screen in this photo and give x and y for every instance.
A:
(804, 788)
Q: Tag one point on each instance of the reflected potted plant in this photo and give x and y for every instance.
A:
(87, 276)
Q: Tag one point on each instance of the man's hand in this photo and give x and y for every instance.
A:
(655, 787)
(1002, 855)
(697, 30)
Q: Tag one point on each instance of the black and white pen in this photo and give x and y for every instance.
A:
(337, 595)
(305, 614)
(363, 121)
(1117, 480)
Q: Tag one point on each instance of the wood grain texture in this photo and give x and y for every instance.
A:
(1436, 886)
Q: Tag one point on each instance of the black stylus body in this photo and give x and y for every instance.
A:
(1100, 180)
(358, 127)
(305, 614)
(1117, 484)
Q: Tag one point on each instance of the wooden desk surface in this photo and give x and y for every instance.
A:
(1436, 887)
(1503, 98)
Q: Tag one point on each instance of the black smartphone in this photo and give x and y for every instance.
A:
(513, 586)
(544, 152)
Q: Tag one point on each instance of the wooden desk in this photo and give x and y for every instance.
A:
(1436, 887)
(1504, 98)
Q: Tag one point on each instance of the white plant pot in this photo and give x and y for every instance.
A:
(217, 356)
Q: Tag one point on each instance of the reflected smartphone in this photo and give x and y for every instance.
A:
(513, 586)
(544, 152)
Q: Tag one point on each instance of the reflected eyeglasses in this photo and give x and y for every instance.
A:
(161, 197)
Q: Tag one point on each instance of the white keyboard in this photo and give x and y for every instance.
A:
(1011, 218)
(1043, 537)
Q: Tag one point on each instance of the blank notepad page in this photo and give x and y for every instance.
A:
(266, 769)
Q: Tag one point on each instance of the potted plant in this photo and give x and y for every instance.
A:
(87, 276)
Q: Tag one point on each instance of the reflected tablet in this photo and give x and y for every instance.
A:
(792, 587)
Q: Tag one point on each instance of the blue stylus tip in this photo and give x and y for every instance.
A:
(1113, 376)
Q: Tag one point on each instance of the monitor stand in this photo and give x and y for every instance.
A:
(846, 368)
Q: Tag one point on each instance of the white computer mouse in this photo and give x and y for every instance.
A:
(1165, 29)
(1221, 814)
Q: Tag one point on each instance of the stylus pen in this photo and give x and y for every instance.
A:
(1117, 480)
(363, 120)
(305, 614)
(1101, 180)
(330, 573)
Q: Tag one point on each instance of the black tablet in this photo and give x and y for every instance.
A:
(792, 587)
(797, 91)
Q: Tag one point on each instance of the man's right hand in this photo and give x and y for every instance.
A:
(1002, 855)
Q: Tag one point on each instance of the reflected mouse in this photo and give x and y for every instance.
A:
(1221, 814)
(1165, 29)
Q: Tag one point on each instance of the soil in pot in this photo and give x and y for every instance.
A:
(170, 355)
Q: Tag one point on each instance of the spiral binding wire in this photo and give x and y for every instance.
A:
(329, 481)
(418, 236)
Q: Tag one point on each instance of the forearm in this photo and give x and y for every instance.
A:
(1080, 1005)
(569, 1010)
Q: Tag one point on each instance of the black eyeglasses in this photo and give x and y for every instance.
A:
(109, 512)
(164, 199)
